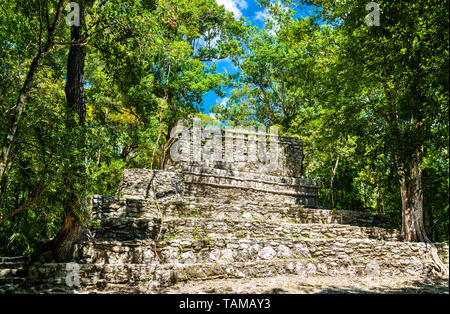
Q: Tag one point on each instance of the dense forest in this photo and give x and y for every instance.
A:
(85, 96)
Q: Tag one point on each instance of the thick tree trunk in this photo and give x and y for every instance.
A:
(412, 206)
(73, 229)
(428, 223)
(76, 210)
(413, 229)
(75, 96)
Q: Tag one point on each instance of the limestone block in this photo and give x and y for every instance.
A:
(284, 251)
(301, 250)
(151, 184)
(267, 253)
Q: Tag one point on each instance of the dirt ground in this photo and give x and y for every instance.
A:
(301, 285)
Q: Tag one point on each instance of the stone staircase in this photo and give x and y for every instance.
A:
(141, 240)
(193, 223)
(10, 270)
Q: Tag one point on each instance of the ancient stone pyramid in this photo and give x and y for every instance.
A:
(197, 221)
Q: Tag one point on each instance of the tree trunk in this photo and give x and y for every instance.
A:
(428, 218)
(428, 222)
(333, 175)
(73, 229)
(382, 202)
(413, 229)
(412, 206)
(364, 195)
(378, 200)
(15, 118)
(76, 210)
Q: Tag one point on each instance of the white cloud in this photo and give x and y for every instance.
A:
(234, 6)
(265, 16)
(227, 65)
(222, 101)
(262, 15)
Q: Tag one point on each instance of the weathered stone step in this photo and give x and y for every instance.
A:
(332, 252)
(109, 206)
(125, 228)
(225, 184)
(279, 284)
(13, 265)
(9, 272)
(13, 259)
(103, 276)
(49, 275)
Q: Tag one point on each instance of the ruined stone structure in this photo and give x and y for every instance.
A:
(238, 150)
(197, 221)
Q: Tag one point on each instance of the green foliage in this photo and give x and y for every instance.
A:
(363, 99)
(94, 224)
(148, 63)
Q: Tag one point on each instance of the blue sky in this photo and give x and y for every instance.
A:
(256, 15)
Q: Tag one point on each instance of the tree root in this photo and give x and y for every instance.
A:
(440, 268)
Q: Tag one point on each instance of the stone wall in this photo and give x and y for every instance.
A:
(110, 206)
(125, 229)
(329, 256)
(289, 158)
(223, 184)
(151, 184)
(183, 260)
